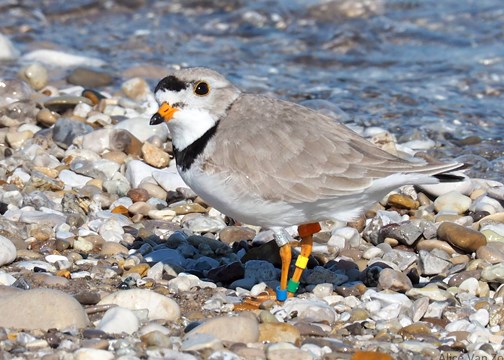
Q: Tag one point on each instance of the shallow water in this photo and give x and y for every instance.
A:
(421, 69)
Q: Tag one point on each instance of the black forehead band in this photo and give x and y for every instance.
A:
(171, 83)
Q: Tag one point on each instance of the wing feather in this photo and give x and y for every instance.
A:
(287, 152)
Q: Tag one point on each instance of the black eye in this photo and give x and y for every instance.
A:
(201, 88)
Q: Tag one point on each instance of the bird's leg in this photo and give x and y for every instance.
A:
(306, 232)
(282, 239)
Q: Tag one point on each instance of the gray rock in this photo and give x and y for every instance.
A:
(320, 275)
(401, 258)
(66, 130)
(406, 232)
(432, 264)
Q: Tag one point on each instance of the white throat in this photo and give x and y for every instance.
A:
(188, 125)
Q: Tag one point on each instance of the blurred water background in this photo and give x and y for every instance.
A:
(422, 69)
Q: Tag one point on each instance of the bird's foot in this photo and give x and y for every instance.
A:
(264, 300)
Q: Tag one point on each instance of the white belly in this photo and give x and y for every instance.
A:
(249, 208)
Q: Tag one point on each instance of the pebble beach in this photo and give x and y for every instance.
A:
(105, 253)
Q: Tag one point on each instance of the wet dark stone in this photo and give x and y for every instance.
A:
(124, 286)
(237, 246)
(355, 328)
(173, 197)
(371, 275)
(341, 264)
(267, 252)
(348, 289)
(457, 279)
(3, 208)
(478, 215)
(52, 337)
(218, 247)
(94, 334)
(191, 326)
(227, 273)
(413, 276)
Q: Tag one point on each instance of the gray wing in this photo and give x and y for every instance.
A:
(287, 152)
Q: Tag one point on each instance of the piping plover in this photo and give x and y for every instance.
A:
(273, 163)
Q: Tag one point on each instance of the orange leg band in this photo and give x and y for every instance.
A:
(308, 229)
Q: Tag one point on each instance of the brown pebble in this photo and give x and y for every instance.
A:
(401, 201)
(307, 329)
(358, 224)
(458, 335)
(189, 209)
(138, 194)
(155, 156)
(121, 209)
(359, 315)
(46, 117)
(123, 140)
(345, 290)
(415, 330)
(436, 322)
(233, 234)
(110, 248)
(89, 78)
(279, 332)
(116, 156)
(156, 339)
(87, 297)
(461, 237)
(140, 269)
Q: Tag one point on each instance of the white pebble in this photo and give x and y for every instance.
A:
(7, 251)
(452, 201)
(159, 306)
(60, 58)
(92, 354)
(118, 320)
(72, 179)
(6, 279)
(481, 316)
(7, 49)
(323, 290)
(142, 130)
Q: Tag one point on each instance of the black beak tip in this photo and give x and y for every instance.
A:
(156, 119)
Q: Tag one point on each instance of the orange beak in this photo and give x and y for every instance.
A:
(165, 113)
